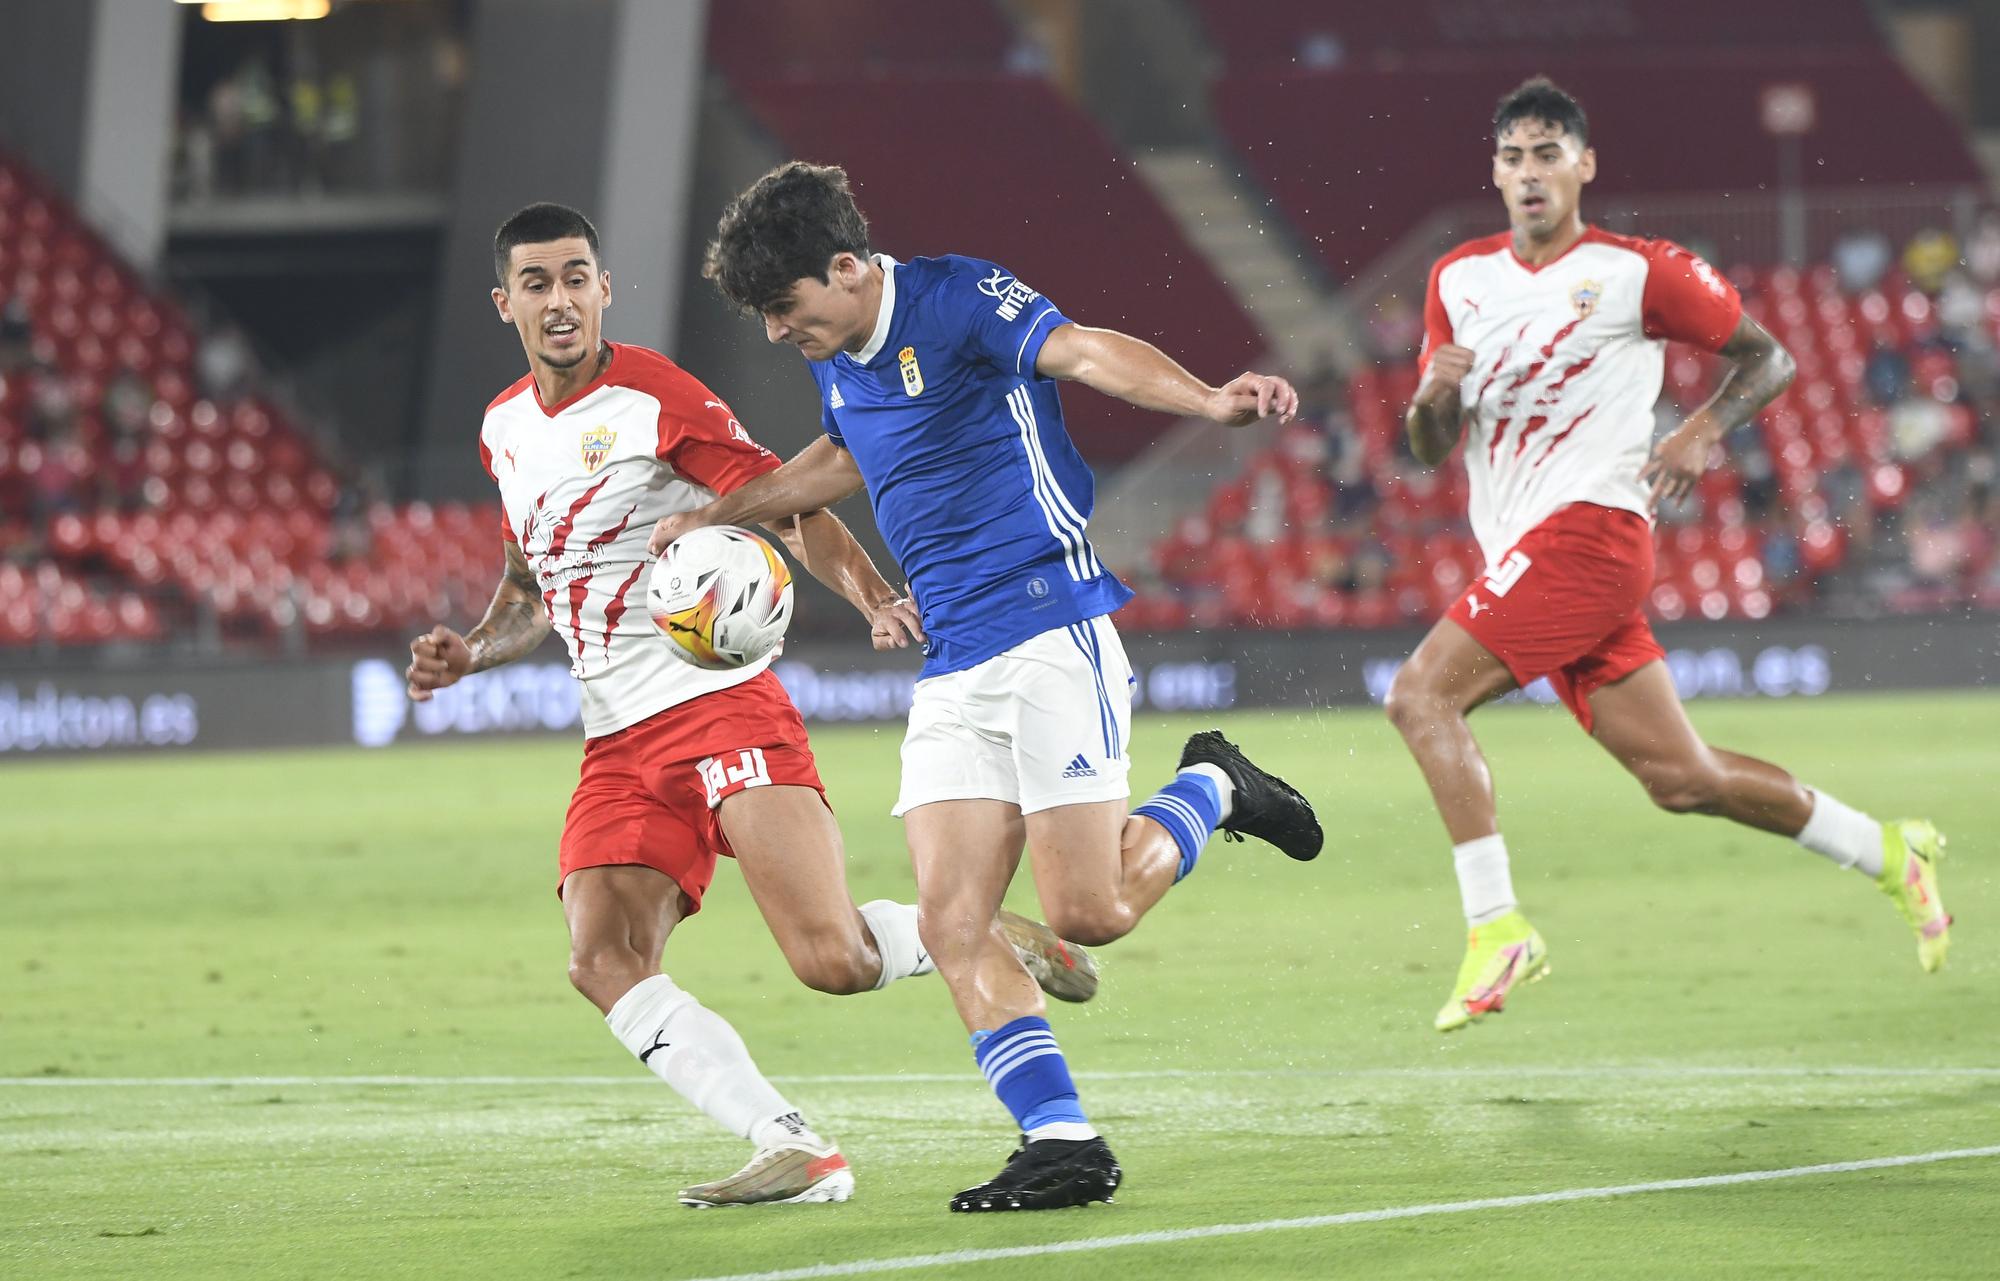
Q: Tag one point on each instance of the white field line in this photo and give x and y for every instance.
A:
(1496, 1073)
(907, 1263)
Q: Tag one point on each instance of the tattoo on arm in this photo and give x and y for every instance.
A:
(1761, 369)
(1434, 428)
(515, 622)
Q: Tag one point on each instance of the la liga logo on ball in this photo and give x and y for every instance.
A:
(721, 597)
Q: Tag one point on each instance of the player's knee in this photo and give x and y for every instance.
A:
(604, 973)
(831, 965)
(1092, 924)
(1683, 787)
(1411, 705)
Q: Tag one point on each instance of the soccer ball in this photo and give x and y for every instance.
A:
(721, 596)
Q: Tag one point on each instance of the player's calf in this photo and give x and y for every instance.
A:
(833, 961)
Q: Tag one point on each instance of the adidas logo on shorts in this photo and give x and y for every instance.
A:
(1079, 768)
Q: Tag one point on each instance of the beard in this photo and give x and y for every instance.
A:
(562, 360)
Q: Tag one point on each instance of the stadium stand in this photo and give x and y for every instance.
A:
(1327, 108)
(133, 507)
(1038, 187)
(1858, 470)
(145, 500)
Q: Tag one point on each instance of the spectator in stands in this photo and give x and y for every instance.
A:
(1930, 254)
(1939, 546)
(1783, 563)
(1265, 521)
(1861, 258)
(223, 362)
(1917, 426)
(1982, 251)
(1886, 374)
(17, 337)
(61, 471)
(1758, 479)
(1395, 329)
(121, 473)
(1329, 564)
(1354, 495)
(51, 407)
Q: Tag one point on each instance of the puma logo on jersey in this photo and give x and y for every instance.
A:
(1473, 605)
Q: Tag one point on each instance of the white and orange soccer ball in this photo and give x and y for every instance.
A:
(721, 596)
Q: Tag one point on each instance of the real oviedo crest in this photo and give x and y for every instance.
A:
(913, 377)
(597, 444)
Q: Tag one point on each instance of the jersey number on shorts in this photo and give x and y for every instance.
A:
(1508, 572)
(723, 779)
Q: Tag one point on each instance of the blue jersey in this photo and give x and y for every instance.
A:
(974, 481)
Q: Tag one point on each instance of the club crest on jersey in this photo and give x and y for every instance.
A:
(1584, 297)
(597, 444)
(913, 377)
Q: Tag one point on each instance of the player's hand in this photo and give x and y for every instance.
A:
(894, 624)
(1248, 397)
(1678, 462)
(668, 528)
(1449, 366)
(437, 659)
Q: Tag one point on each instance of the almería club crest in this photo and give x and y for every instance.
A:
(1584, 297)
(597, 444)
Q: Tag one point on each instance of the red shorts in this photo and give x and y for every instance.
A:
(1565, 603)
(649, 792)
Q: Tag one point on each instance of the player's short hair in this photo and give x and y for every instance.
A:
(787, 227)
(1541, 99)
(537, 224)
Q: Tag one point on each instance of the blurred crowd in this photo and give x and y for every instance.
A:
(1913, 524)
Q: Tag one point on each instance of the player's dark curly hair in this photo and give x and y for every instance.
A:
(538, 224)
(787, 227)
(1540, 99)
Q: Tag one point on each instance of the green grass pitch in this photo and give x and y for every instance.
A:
(221, 940)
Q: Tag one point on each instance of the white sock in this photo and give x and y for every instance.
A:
(1223, 787)
(693, 1049)
(1485, 886)
(1843, 834)
(894, 926)
(1071, 1130)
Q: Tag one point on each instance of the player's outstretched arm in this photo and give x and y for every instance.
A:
(1436, 416)
(828, 549)
(1139, 373)
(819, 475)
(1760, 369)
(514, 625)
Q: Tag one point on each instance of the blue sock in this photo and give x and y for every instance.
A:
(1189, 808)
(1025, 1067)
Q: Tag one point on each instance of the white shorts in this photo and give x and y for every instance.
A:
(1041, 725)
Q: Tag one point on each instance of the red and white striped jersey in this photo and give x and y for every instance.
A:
(581, 485)
(1568, 359)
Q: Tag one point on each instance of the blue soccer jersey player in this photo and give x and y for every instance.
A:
(938, 393)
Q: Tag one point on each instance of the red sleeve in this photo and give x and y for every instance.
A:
(701, 439)
(1687, 300)
(1437, 325)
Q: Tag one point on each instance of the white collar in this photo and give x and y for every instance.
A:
(878, 339)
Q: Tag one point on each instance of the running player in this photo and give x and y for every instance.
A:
(1543, 348)
(937, 381)
(596, 443)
